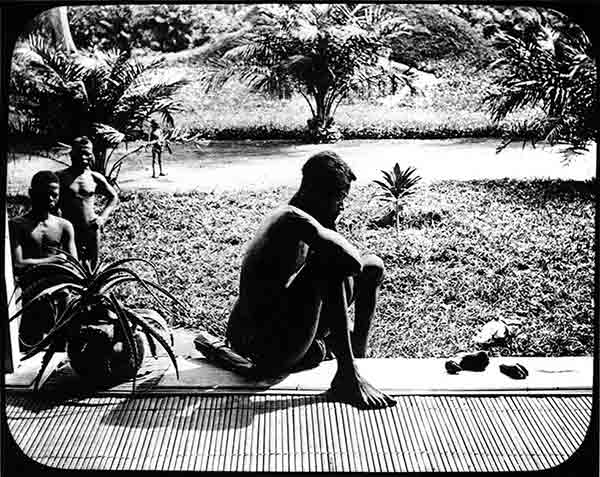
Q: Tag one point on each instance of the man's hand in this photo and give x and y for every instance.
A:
(60, 258)
(98, 221)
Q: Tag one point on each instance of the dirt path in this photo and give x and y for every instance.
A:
(227, 165)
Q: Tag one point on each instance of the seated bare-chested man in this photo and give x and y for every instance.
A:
(297, 279)
(37, 238)
(79, 186)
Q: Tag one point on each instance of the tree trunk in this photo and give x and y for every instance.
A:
(58, 23)
(321, 127)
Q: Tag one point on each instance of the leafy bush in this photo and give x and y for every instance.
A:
(550, 66)
(102, 26)
(164, 28)
(437, 33)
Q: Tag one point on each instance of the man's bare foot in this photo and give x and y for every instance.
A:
(350, 387)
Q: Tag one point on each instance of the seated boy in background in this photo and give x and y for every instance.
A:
(298, 277)
(35, 238)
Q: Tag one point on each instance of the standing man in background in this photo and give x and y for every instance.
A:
(79, 186)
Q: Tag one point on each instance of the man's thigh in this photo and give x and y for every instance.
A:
(291, 325)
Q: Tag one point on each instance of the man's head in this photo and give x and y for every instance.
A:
(82, 152)
(326, 180)
(44, 191)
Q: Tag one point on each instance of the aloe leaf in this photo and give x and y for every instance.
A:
(99, 266)
(119, 263)
(148, 329)
(35, 287)
(72, 260)
(108, 273)
(47, 292)
(167, 293)
(74, 306)
(159, 321)
(151, 345)
(124, 323)
(147, 284)
(47, 269)
(50, 336)
(45, 362)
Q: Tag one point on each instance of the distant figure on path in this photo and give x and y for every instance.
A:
(36, 238)
(79, 186)
(297, 279)
(158, 143)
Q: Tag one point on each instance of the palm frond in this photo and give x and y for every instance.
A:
(124, 325)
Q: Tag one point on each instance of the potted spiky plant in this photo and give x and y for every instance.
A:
(104, 338)
(396, 185)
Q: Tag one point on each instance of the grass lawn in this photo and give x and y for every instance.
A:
(467, 252)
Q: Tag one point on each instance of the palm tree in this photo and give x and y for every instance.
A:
(549, 66)
(322, 52)
(108, 96)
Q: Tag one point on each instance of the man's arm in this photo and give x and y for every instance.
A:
(68, 238)
(109, 191)
(334, 247)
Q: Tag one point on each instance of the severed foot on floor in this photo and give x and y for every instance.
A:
(452, 367)
(514, 371)
(474, 361)
(468, 362)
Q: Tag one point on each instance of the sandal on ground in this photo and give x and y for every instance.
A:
(514, 371)
(474, 361)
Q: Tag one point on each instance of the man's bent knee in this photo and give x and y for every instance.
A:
(373, 270)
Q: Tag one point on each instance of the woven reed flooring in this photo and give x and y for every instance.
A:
(299, 433)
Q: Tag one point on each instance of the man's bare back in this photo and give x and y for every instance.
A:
(298, 276)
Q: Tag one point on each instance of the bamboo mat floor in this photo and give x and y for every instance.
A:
(298, 432)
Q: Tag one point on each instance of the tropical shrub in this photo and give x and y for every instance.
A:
(321, 52)
(88, 96)
(101, 333)
(395, 187)
(550, 66)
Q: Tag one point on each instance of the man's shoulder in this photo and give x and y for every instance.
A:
(65, 175)
(288, 213)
